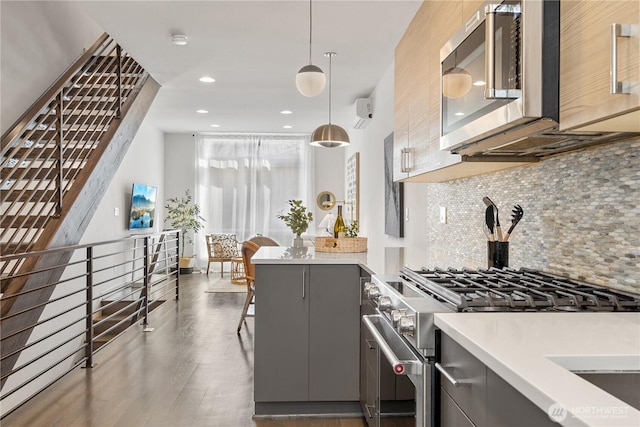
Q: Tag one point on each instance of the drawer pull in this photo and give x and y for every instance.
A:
(449, 377)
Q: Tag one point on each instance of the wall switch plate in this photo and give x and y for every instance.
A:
(116, 212)
(406, 214)
(443, 214)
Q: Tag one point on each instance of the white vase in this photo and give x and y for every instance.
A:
(298, 242)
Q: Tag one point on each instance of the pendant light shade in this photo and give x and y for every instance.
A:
(329, 135)
(456, 82)
(310, 80)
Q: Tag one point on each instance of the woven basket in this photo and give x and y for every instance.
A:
(343, 244)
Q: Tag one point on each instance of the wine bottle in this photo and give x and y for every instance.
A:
(338, 228)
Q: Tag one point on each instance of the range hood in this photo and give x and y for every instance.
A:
(540, 138)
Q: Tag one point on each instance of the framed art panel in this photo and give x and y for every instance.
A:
(393, 194)
(352, 206)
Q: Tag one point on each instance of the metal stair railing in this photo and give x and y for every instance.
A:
(43, 153)
(121, 279)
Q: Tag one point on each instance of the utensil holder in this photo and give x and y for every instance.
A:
(498, 254)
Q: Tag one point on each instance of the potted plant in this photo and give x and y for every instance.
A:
(353, 229)
(185, 215)
(297, 220)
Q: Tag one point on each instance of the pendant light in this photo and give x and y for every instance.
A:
(310, 80)
(329, 135)
(456, 82)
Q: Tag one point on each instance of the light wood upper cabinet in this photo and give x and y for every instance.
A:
(417, 87)
(411, 131)
(585, 65)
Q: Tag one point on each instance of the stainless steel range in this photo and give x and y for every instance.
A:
(402, 323)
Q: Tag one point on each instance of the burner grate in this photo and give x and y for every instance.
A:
(517, 290)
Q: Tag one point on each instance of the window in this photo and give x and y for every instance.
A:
(245, 180)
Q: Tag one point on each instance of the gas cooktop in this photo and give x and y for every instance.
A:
(516, 290)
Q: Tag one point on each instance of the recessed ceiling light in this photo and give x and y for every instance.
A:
(479, 83)
(207, 79)
(179, 39)
(286, 112)
(287, 127)
(215, 125)
(202, 111)
(459, 114)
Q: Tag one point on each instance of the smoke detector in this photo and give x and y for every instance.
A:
(179, 39)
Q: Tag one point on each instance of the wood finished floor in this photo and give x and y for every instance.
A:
(192, 370)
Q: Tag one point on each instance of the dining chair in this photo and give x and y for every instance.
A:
(249, 248)
(222, 248)
(264, 241)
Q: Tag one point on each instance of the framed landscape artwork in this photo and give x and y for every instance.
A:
(393, 194)
(353, 188)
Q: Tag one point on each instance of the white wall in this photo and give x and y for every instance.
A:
(370, 143)
(144, 164)
(37, 45)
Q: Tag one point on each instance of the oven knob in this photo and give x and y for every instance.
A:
(384, 303)
(407, 325)
(396, 315)
(367, 286)
(374, 292)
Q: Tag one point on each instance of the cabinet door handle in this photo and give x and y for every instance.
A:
(454, 382)
(304, 278)
(405, 160)
(618, 30)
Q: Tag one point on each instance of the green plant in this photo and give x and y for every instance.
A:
(298, 218)
(182, 214)
(352, 229)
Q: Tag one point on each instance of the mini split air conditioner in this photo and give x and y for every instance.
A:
(364, 112)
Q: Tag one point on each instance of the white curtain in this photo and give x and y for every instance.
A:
(245, 180)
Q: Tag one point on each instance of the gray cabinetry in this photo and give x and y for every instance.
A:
(307, 329)
(282, 333)
(334, 329)
(482, 397)
(472, 374)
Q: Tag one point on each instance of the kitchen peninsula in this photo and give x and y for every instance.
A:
(307, 331)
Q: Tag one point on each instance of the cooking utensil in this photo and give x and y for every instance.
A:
(490, 220)
(516, 216)
(486, 230)
(487, 201)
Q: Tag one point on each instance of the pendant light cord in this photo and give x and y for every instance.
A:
(310, 30)
(330, 56)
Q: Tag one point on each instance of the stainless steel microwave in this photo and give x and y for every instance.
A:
(500, 75)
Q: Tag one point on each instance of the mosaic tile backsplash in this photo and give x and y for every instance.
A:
(581, 216)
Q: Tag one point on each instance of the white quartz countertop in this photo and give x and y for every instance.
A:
(305, 255)
(528, 349)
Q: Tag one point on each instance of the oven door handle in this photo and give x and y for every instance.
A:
(408, 363)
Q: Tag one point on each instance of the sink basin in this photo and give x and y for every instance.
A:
(618, 375)
(601, 363)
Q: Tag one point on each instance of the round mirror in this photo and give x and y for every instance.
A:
(326, 200)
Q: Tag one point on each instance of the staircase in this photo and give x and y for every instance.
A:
(56, 162)
(56, 148)
(115, 317)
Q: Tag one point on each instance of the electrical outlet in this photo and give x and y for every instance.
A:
(443, 214)
(406, 214)
(116, 212)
